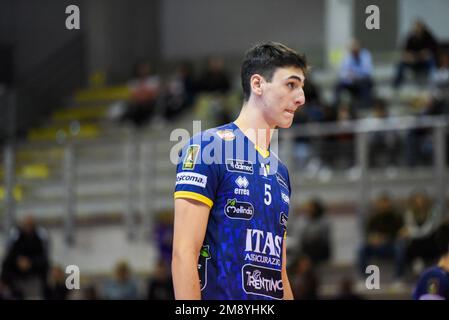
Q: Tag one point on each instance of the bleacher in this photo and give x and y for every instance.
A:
(101, 148)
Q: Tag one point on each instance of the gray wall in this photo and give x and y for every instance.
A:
(34, 28)
(117, 32)
(192, 28)
(121, 32)
(383, 39)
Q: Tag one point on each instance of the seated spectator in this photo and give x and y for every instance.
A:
(312, 233)
(123, 286)
(180, 92)
(419, 141)
(346, 290)
(339, 151)
(56, 288)
(419, 53)
(26, 262)
(381, 236)
(355, 76)
(160, 285)
(144, 90)
(214, 79)
(304, 281)
(163, 232)
(383, 145)
(434, 282)
(440, 78)
(422, 219)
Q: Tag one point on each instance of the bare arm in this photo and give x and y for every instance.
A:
(190, 224)
(288, 293)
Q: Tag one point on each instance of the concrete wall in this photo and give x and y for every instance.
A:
(195, 28)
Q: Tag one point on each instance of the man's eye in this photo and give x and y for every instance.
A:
(291, 85)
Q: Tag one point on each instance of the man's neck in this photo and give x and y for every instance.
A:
(252, 123)
(444, 262)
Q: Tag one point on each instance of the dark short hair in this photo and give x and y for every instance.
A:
(264, 59)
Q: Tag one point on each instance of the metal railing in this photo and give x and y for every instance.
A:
(139, 155)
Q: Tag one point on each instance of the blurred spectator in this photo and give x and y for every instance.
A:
(440, 78)
(311, 234)
(419, 141)
(381, 236)
(90, 292)
(419, 53)
(26, 261)
(314, 112)
(346, 290)
(6, 292)
(144, 90)
(56, 288)
(214, 79)
(383, 145)
(160, 285)
(422, 219)
(355, 75)
(340, 146)
(164, 236)
(434, 282)
(304, 281)
(123, 286)
(180, 92)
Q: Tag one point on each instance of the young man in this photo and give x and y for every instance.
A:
(434, 282)
(232, 192)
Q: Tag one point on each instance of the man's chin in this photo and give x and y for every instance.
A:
(285, 125)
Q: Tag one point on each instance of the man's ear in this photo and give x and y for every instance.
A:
(256, 82)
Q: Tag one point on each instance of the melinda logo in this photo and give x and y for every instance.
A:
(238, 209)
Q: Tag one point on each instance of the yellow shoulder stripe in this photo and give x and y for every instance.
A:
(194, 196)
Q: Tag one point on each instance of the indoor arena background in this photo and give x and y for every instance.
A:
(86, 151)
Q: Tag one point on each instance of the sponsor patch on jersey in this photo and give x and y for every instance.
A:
(262, 281)
(285, 198)
(190, 158)
(242, 184)
(238, 209)
(226, 135)
(202, 265)
(281, 181)
(242, 166)
(283, 219)
(192, 178)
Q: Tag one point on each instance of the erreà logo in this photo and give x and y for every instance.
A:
(238, 209)
(202, 265)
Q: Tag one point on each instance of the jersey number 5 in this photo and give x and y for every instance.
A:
(267, 197)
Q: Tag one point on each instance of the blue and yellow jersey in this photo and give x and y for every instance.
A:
(248, 192)
(432, 285)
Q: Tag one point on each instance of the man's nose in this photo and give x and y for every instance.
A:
(300, 98)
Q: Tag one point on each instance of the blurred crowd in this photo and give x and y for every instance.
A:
(399, 236)
(27, 272)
